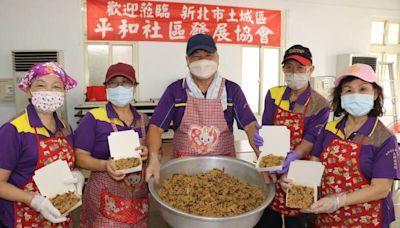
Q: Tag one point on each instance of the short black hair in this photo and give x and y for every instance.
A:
(376, 111)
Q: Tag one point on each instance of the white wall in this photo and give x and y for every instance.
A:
(163, 63)
(42, 24)
(159, 66)
(328, 28)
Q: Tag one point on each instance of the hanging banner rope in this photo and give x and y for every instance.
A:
(128, 20)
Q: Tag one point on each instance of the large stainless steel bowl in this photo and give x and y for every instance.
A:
(245, 171)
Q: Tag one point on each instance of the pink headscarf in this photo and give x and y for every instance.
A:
(42, 69)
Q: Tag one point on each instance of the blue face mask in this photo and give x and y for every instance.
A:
(357, 104)
(120, 96)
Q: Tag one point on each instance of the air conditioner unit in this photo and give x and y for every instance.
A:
(22, 62)
(343, 61)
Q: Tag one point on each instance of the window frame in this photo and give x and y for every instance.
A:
(384, 50)
(261, 70)
(86, 42)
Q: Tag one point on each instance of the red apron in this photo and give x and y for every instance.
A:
(343, 174)
(203, 130)
(295, 123)
(110, 203)
(49, 150)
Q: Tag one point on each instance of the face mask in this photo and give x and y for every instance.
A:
(357, 104)
(203, 69)
(47, 101)
(296, 81)
(120, 96)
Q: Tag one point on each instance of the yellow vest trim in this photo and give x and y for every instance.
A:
(373, 129)
(22, 125)
(276, 94)
(331, 126)
(180, 104)
(101, 115)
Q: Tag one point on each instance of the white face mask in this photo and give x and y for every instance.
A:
(120, 96)
(357, 104)
(203, 69)
(296, 81)
(47, 101)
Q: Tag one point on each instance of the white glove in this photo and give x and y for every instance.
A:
(44, 207)
(328, 204)
(78, 180)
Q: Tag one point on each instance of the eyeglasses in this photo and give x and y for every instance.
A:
(294, 68)
(114, 84)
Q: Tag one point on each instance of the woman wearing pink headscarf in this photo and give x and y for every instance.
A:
(31, 140)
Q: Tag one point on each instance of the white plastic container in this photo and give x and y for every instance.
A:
(49, 180)
(276, 142)
(306, 173)
(122, 144)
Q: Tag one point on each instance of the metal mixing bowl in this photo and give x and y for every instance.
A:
(245, 171)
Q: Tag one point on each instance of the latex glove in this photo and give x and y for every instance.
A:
(328, 204)
(258, 140)
(44, 207)
(78, 180)
(292, 156)
(285, 183)
(144, 152)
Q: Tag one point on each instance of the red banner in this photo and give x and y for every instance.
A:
(130, 20)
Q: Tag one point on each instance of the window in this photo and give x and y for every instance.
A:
(251, 76)
(260, 72)
(377, 32)
(385, 43)
(393, 33)
(271, 70)
(99, 56)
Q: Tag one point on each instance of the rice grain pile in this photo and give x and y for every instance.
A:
(300, 196)
(64, 202)
(127, 163)
(212, 194)
(271, 160)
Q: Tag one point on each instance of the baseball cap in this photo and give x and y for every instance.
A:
(200, 42)
(359, 70)
(299, 53)
(121, 69)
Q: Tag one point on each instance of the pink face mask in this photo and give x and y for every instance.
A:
(47, 101)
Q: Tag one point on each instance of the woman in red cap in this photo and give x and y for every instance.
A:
(111, 198)
(360, 156)
(33, 139)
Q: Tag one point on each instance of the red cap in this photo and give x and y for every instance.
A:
(298, 53)
(303, 61)
(121, 69)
